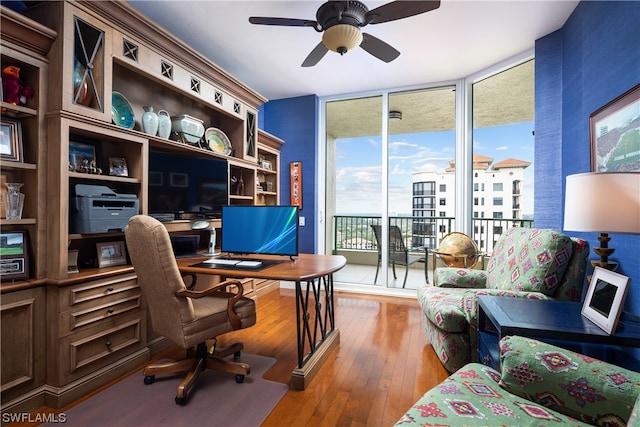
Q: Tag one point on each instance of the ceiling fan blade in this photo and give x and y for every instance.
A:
(285, 22)
(378, 48)
(316, 55)
(399, 10)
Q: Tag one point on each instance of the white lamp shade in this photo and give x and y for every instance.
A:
(342, 35)
(603, 202)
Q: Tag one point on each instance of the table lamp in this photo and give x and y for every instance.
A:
(206, 225)
(606, 202)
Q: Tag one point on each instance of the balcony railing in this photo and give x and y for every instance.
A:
(356, 233)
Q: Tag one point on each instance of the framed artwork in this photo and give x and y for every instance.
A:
(118, 166)
(81, 156)
(296, 183)
(615, 134)
(14, 255)
(266, 164)
(605, 298)
(11, 139)
(111, 253)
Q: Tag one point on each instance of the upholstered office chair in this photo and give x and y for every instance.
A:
(398, 253)
(186, 316)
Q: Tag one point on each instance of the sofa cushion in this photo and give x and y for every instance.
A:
(573, 384)
(529, 259)
(472, 397)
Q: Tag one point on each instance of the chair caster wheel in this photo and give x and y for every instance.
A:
(181, 400)
(239, 378)
(236, 355)
(149, 379)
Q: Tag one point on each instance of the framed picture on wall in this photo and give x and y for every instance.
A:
(615, 134)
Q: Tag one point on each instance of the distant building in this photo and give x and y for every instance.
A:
(497, 194)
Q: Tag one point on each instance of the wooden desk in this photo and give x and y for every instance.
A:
(316, 331)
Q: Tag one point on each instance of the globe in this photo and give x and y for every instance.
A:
(458, 250)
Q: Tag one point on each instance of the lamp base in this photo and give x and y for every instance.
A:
(607, 265)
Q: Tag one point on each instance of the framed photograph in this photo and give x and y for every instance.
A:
(11, 139)
(179, 179)
(605, 298)
(14, 255)
(266, 164)
(118, 166)
(81, 156)
(615, 134)
(111, 253)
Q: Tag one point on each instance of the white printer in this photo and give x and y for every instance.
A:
(98, 209)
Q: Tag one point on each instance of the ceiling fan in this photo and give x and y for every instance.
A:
(341, 21)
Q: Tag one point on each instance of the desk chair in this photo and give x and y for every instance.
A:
(398, 253)
(185, 316)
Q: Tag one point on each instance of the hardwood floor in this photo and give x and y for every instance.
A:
(381, 367)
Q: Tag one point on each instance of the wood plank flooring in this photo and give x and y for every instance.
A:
(382, 365)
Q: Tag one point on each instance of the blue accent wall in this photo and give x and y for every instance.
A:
(295, 121)
(591, 60)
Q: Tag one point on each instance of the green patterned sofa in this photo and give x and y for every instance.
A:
(539, 385)
(526, 263)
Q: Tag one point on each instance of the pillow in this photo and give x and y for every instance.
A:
(567, 382)
(529, 259)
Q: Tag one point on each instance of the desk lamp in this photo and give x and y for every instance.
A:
(606, 202)
(206, 225)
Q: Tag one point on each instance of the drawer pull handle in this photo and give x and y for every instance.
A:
(110, 289)
(108, 344)
(110, 310)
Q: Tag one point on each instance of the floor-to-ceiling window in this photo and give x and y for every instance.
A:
(503, 148)
(397, 159)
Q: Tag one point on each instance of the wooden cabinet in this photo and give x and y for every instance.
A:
(22, 319)
(94, 323)
(76, 54)
(25, 46)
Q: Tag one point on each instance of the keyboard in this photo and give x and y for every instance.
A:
(234, 262)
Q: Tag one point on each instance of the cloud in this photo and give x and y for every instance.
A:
(502, 148)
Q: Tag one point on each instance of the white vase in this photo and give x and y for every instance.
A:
(149, 121)
(164, 124)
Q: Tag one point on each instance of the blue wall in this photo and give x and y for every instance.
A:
(295, 121)
(591, 60)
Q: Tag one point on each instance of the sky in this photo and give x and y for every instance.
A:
(359, 171)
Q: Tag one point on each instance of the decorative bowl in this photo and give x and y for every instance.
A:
(189, 128)
(217, 141)
(121, 111)
(81, 93)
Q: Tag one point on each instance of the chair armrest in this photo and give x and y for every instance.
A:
(451, 277)
(583, 387)
(233, 298)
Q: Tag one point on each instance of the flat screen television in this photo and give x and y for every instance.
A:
(271, 230)
(180, 184)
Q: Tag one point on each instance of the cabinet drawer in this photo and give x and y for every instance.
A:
(95, 289)
(97, 347)
(91, 312)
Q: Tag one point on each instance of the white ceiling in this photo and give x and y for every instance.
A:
(456, 40)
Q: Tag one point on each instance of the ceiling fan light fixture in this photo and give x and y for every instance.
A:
(342, 38)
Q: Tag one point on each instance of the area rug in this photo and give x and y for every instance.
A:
(216, 400)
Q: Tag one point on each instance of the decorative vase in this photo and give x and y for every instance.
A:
(149, 121)
(164, 124)
(14, 201)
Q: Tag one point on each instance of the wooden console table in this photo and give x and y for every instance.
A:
(317, 334)
(556, 322)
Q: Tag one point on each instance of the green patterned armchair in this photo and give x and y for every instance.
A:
(526, 263)
(539, 384)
